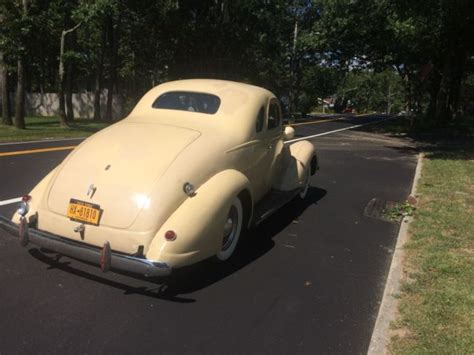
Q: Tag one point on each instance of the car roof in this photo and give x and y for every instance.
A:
(217, 87)
(240, 104)
(235, 97)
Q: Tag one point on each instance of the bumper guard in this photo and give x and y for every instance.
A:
(84, 252)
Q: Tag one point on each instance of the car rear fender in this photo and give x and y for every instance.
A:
(296, 159)
(198, 222)
(37, 197)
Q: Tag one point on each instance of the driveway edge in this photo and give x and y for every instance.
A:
(45, 140)
(380, 336)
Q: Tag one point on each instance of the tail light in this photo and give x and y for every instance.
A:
(170, 236)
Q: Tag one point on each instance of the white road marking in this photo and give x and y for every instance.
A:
(18, 199)
(44, 141)
(335, 131)
(10, 201)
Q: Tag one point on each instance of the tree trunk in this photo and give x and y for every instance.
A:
(442, 101)
(62, 107)
(97, 115)
(113, 70)
(456, 78)
(434, 90)
(389, 98)
(6, 116)
(70, 80)
(405, 76)
(110, 97)
(61, 90)
(98, 77)
(69, 106)
(450, 85)
(20, 83)
(20, 96)
(62, 101)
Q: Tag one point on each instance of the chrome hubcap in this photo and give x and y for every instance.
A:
(230, 227)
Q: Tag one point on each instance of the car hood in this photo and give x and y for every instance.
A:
(118, 168)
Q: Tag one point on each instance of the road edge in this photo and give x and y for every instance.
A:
(387, 311)
(45, 140)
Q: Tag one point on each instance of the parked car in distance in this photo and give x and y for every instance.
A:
(349, 110)
(177, 181)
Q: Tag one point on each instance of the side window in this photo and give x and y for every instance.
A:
(274, 116)
(260, 120)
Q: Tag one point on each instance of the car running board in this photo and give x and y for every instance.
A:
(273, 201)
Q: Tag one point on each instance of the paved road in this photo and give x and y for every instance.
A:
(309, 280)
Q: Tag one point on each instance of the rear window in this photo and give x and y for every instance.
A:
(188, 101)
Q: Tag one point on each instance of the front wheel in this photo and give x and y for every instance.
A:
(304, 190)
(231, 230)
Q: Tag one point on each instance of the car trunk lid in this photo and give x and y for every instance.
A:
(117, 169)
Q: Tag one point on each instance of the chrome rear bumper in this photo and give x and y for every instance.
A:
(87, 253)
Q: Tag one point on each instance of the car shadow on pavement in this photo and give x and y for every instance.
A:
(255, 243)
(56, 262)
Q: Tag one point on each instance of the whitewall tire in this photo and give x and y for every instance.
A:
(231, 230)
(305, 188)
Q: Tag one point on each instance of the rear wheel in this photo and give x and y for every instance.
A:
(231, 230)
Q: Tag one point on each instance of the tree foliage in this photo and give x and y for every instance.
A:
(380, 55)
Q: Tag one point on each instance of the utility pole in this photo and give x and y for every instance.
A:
(293, 71)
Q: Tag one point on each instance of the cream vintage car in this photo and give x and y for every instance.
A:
(177, 181)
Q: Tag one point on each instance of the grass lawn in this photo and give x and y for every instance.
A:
(423, 130)
(436, 312)
(48, 127)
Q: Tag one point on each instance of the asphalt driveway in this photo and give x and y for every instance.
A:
(307, 280)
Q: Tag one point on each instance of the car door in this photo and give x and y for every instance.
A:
(273, 142)
(263, 161)
(257, 161)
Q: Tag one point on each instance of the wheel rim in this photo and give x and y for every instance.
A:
(230, 228)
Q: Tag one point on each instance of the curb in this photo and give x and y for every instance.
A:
(380, 336)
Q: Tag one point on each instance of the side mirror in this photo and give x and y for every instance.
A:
(289, 133)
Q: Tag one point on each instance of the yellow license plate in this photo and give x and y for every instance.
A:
(85, 212)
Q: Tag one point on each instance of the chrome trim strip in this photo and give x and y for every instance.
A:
(245, 145)
(88, 253)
